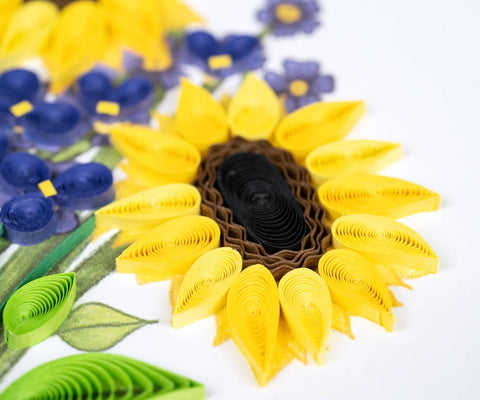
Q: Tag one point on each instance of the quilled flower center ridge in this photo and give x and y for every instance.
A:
(288, 13)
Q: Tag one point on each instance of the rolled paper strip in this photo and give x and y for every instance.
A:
(307, 307)
(262, 201)
(21, 173)
(85, 187)
(143, 211)
(220, 61)
(18, 85)
(20, 109)
(307, 128)
(4, 145)
(107, 107)
(356, 286)
(385, 241)
(47, 188)
(36, 310)
(7, 120)
(28, 219)
(200, 119)
(169, 158)
(204, 289)
(171, 248)
(54, 124)
(92, 88)
(347, 157)
(27, 32)
(102, 376)
(253, 312)
(254, 111)
(134, 92)
(374, 194)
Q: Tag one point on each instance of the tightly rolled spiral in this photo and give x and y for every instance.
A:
(356, 286)
(21, 173)
(307, 128)
(132, 92)
(261, 200)
(28, 219)
(161, 157)
(345, 157)
(307, 307)
(253, 312)
(18, 85)
(93, 87)
(143, 211)
(36, 310)
(53, 124)
(254, 110)
(385, 241)
(170, 249)
(101, 376)
(84, 187)
(200, 119)
(375, 194)
(204, 289)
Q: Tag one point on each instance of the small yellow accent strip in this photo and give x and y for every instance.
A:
(108, 107)
(18, 129)
(47, 188)
(220, 62)
(22, 108)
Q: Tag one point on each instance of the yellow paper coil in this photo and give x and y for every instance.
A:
(143, 211)
(200, 119)
(169, 249)
(307, 307)
(385, 242)
(156, 158)
(254, 111)
(345, 157)
(253, 312)
(374, 194)
(307, 128)
(204, 289)
(356, 286)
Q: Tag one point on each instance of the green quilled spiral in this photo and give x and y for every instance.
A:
(36, 310)
(101, 376)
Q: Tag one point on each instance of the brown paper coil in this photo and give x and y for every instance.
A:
(314, 244)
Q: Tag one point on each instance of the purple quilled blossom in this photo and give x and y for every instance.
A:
(287, 17)
(302, 83)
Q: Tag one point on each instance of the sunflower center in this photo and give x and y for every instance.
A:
(288, 13)
(298, 88)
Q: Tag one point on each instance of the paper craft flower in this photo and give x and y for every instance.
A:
(302, 84)
(288, 17)
(221, 58)
(258, 256)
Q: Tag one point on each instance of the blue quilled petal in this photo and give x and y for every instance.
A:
(133, 91)
(17, 85)
(202, 44)
(84, 187)
(4, 145)
(21, 172)
(28, 219)
(54, 124)
(239, 46)
(92, 88)
(7, 120)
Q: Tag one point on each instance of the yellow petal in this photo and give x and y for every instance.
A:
(80, 39)
(27, 32)
(374, 194)
(145, 210)
(137, 25)
(356, 286)
(171, 248)
(200, 119)
(386, 242)
(8, 8)
(341, 320)
(307, 128)
(177, 15)
(254, 111)
(159, 157)
(166, 122)
(253, 311)
(307, 307)
(204, 289)
(343, 157)
(223, 327)
(127, 187)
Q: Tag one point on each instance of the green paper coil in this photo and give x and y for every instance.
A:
(36, 310)
(102, 376)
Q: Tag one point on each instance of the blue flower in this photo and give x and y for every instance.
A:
(302, 83)
(287, 17)
(221, 58)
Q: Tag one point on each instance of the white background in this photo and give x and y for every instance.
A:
(417, 65)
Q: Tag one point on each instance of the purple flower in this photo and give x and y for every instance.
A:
(302, 83)
(287, 17)
(234, 54)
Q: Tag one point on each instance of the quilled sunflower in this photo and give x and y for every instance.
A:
(282, 230)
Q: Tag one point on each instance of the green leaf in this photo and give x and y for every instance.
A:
(98, 327)
(72, 151)
(108, 156)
